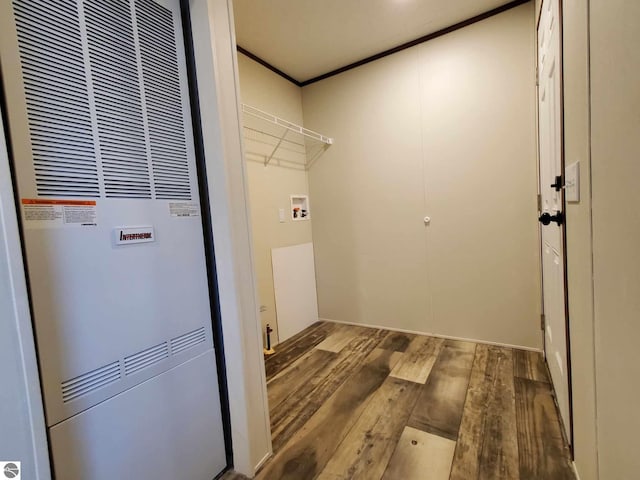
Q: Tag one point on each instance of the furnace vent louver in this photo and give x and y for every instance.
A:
(164, 112)
(58, 108)
(118, 103)
(146, 358)
(90, 381)
(129, 138)
(134, 363)
(187, 340)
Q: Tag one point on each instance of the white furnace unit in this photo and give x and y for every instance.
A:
(99, 117)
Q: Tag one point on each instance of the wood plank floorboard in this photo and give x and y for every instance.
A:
(231, 475)
(530, 365)
(418, 359)
(543, 451)
(499, 455)
(293, 412)
(439, 408)
(466, 461)
(306, 455)
(366, 450)
(296, 346)
(294, 377)
(397, 341)
(371, 404)
(339, 338)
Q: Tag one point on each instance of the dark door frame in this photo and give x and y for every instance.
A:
(207, 227)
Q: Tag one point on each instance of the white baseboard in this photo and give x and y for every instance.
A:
(448, 337)
(575, 470)
(261, 463)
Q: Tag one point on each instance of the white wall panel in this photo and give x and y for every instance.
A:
(294, 279)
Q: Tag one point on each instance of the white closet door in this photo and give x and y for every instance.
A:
(553, 263)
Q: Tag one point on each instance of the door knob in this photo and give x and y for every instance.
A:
(558, 185)
(546, 218)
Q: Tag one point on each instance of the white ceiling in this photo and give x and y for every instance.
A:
(307, 38)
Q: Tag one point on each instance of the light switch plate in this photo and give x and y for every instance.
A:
(572, 182)
(281, 216)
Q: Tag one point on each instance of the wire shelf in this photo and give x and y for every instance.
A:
(279, 132)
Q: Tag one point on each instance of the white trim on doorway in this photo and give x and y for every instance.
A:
(18, 362)
(216, 65)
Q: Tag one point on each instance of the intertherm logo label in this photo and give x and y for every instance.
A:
(10, 470)
(127, 235)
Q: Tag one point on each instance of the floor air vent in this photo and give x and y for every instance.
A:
(90, 381)
(146, 358)
(188, 340)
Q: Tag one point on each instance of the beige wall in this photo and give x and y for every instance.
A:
(444, 129)
(615, 157)
(270, 186)
(579, 245)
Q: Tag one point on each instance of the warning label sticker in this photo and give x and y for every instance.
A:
(184, 209)
(40, 213)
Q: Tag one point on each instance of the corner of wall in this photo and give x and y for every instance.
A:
(269, 186)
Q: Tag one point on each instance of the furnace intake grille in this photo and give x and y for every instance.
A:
(163, 99)
(57, 98)
(106, 99)
(118, 103)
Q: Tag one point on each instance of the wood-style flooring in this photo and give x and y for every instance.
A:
(232, 475)
(351, 402)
